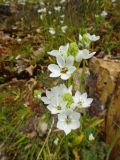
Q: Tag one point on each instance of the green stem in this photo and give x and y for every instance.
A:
(66, 148)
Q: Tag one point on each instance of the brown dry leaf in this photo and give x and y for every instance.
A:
(4, 37)
(30, 69)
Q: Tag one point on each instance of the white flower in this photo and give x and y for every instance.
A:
(64, 29)
(81, 100)
(55, 92)
(52, 30)
(61, 90)
(42, 10)
(62, 16)
(57, 105)
(49, 12)
(57, 8)
(113, 1)
(84, 54)
(68, 120)
(62, 51)
(91, 137)
(55, 98)
(90, 37)
(64, 69)
(104, 14)
(93, 37)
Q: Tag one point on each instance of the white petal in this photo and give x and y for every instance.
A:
(71, 70)
(83, 96)
(54, 74)
(62, 125)
(85, 53)
(54, 53)
(67, 130)
(73, 106)
(45, 100)
(75, 116)
(87, 103)
(65, 76)
(64, 49)
(69, 61)
(93, 37)
(77, 96)
(89, 55)
(75, 124)
(52, 109)
(61, 116)
(60, 61)
(70, 89)
(79, 56)
(54, 68)
(48, 93)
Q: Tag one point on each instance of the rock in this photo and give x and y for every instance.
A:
(113, 121)
(104, 86)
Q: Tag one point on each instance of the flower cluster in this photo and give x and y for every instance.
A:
(60, 99)
(67, 55)
(86, 39)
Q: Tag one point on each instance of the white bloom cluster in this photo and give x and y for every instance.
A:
(65, 64)
(65, 61)
(59, 100)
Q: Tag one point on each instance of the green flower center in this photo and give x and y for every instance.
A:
(68, 97)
